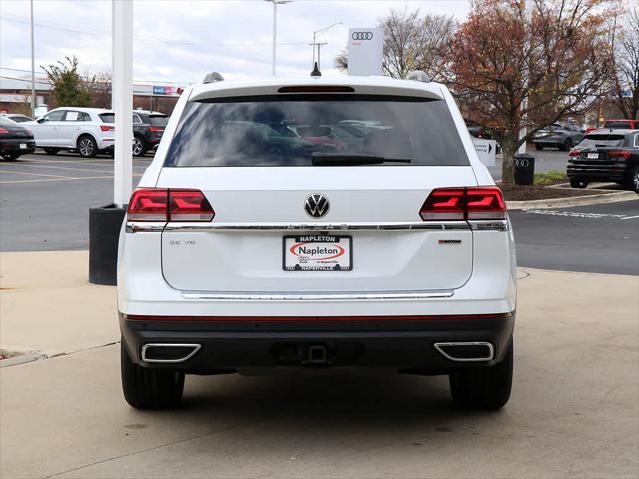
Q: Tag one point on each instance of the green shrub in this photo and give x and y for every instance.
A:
(550, 178)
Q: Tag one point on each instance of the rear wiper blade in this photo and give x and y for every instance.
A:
(352, 159)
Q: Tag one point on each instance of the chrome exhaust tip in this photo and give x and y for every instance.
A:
(466, 351)
(168, 352)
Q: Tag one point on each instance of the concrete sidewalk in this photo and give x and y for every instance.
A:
(574, 410)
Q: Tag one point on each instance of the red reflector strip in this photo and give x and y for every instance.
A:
(137, 317)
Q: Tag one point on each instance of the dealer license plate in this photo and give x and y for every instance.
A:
(23, 146)
(318, 253)
(593, 156)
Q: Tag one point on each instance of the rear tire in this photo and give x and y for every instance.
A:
(87, 147)
(633, 181)
(578, 183)
(567, 145)
(485, 387)
(139, 147)
(149, 388)
(51, 151)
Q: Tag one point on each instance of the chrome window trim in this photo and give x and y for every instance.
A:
(299, 296)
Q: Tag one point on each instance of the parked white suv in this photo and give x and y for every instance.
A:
(248, 247)
(87, 130)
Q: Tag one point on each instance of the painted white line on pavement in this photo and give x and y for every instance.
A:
(59, 168)
(33, 174)
(578, 214)
(61, 178)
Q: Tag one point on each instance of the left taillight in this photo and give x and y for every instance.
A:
(107, 128)
(157, 204)
(3, 131)
(455, 204)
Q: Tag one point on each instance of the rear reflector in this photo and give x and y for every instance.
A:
(458, 204)
(159, 204)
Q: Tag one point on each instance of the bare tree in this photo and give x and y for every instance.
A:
(412, 42)
(625, 81)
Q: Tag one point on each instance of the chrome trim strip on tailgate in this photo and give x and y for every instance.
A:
(457, 225)
(409, 295)
(478, 225)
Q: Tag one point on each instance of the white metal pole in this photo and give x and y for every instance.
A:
(122, 99)
(33, 97)
(274, 35)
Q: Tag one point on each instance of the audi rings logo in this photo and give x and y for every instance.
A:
(316, 206)
(362, 36)
(522, 163)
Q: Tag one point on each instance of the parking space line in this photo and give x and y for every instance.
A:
(32, 174)
(61, 168)
(630, 217)
(61, 178)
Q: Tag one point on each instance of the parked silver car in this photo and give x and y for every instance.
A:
(559, 135)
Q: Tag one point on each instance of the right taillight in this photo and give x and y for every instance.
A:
(454, 204)
(159, 204)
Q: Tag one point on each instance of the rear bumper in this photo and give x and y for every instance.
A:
(598, 172)
(13, 146)
(248, 343)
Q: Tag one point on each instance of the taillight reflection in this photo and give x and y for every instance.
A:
(455, 204)
(158, 204)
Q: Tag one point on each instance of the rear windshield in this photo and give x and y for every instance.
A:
(295, 130)
(107, 117)
(619, 125)
(601, 140)
(158, 120)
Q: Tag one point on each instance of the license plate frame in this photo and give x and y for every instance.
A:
(319, 263)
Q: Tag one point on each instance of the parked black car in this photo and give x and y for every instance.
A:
(559, 135)
(606, 155)
(15, 140)
(148, 127)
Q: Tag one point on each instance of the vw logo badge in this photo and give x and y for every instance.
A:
(362, 36)
(316, 206)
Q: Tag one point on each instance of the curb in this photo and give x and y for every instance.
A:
(23, 358)
(573, 201)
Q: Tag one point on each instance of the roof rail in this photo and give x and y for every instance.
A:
(212, 77)
(418, 75)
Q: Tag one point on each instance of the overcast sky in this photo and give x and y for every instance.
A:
(179, 40)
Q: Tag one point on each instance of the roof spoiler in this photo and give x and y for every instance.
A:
(212, 77)
(418, 75)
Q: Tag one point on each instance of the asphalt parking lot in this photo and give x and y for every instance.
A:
(545, 160)
(45, 202)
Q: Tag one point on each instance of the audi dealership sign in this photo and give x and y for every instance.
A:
(365, 51)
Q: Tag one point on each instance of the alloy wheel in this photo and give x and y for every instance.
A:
(86, 147)
(137, 147)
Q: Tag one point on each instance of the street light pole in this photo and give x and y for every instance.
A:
(33, 98)
(275, 4)
(318, 45)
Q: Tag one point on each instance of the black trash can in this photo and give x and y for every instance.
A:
(524, 169)
(104, 232)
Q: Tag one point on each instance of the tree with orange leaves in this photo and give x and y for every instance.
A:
(515, 67)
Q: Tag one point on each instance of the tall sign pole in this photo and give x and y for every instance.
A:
(33, 97)
(122, 99)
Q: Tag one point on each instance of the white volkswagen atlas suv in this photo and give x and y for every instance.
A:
(316, 223)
